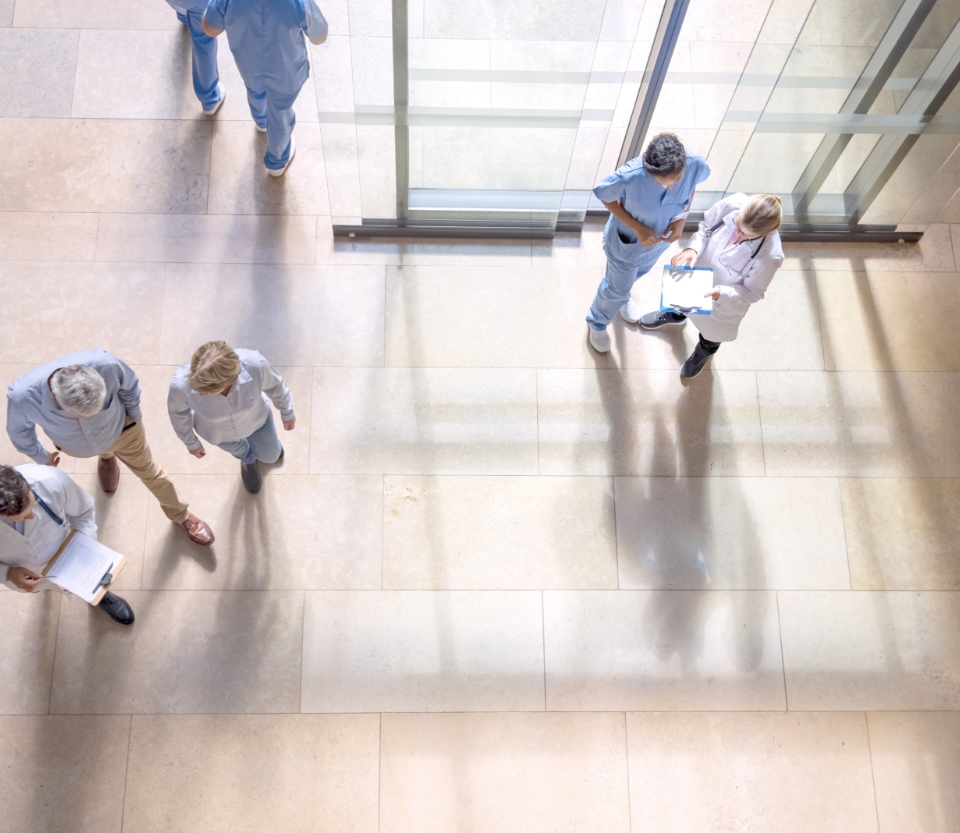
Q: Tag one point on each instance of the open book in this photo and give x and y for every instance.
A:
(683, 290)
(84, 567)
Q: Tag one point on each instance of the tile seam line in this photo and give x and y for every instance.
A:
(126, 774)
(526, 712)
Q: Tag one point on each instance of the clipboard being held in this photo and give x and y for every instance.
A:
(84, 567)
(684, 290)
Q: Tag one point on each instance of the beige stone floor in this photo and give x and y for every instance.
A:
(499, 583)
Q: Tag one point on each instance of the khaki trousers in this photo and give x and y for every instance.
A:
(132, 450)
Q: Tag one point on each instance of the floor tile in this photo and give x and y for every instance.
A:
(417, 252)
(294, 315)
(188, 652)
(59, 165)
(932, 254)
(781, 332)
(782, 773)
(206, 238)
(63, 773)
(416, 651)
(492, 772)
(889, 321)
(488, 317)
(916, 767)
(662, 650)
(571, 250)
(122, 522)
(499, 533)
(903, 534)
(648, 422)
(297, 773)
(871, 651)
(29, 625)
(172, 454)
(36, 76)
(161, 61)
(239, 184)
(38, 236)
(860, 424)
(84, 305)
(730, 533)
(423, 421)
(95, 14)
(300, 532)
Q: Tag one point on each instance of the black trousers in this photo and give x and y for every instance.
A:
(711, 347)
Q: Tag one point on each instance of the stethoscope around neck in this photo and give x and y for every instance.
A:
(708, 233)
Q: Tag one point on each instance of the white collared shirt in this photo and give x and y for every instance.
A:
(43, 535)
(222, 419)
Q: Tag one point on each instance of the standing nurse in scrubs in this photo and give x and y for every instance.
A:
(648, 200)
(206, 75)
(267, 41)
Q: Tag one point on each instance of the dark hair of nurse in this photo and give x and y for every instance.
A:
(665, 158)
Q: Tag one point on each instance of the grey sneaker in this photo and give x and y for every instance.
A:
(656, 320)
(250, 475)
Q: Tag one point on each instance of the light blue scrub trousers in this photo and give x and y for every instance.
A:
(206, 76)
(263, 445)
(626, 262)
(274, 111)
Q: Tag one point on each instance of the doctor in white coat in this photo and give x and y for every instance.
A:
(738, 239)
(39, 505)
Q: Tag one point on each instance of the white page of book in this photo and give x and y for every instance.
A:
(686, 288)
(81, 565)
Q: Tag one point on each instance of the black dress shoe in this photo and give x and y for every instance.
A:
(116, 608)
(281, 454)
(250, 475)
(697, 361)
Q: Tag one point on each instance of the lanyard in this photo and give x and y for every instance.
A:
(56, 518)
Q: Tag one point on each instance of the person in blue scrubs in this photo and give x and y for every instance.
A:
(648, 200)
(267, 41)
(206, 76)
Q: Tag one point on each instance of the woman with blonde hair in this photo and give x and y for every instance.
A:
(224, 396)
(738, 239)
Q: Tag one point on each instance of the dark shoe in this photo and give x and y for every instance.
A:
(281, 454)
(697, 361)
(108, 470)
(116, 608)
(250, 475)
(657, 319)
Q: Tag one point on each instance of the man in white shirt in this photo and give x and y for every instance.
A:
(224, 396)
(39, 506)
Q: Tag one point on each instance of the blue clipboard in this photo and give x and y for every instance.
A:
(707, 307)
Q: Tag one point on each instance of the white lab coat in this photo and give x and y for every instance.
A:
(42, 536)
(743, 280)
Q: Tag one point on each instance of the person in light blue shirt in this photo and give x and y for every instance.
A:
(206, 75)
(648, 200)
(267, 41)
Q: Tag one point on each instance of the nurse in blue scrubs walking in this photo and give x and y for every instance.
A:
(648, 200)
(206, 75)
(267, 41)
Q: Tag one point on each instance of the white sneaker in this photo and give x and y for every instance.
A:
(599, 339)
(283, 170)
(630, 312)
(223, 95)
(259, 128)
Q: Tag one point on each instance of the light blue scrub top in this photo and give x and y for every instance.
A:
(646, 199)
(266, 39)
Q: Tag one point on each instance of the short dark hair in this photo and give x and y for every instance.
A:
(14, 492)
(665, 155)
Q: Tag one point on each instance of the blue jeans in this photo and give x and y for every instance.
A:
(206, 76)
(274, 111)
(626, 262)
(263, 445)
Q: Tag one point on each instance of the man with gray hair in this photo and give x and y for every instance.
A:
(39, 506)
(88, 403)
